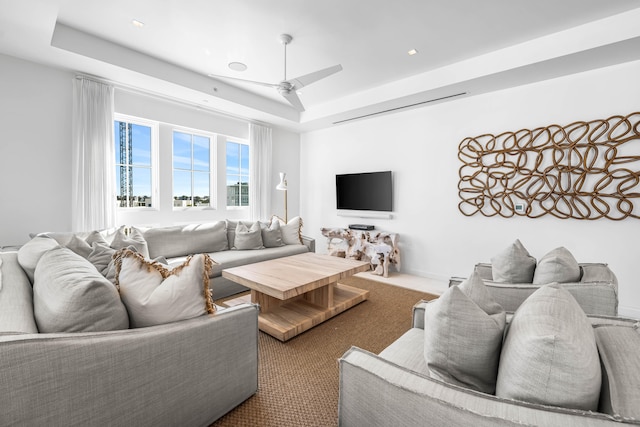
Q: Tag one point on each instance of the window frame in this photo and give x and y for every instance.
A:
(238, 141)
(155, 163)
(213, 165)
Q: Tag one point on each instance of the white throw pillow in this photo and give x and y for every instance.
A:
(291, 231)
(549, 355)
(154, 294)
(463, 336)
(513, 265)
(31, 252)
(559, 266)
(135, 238)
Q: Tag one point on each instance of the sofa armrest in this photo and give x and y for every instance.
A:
(418, 314)
(183, 373)
(376, 392)
(310, 243)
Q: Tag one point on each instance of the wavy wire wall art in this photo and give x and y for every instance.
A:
(585, 170)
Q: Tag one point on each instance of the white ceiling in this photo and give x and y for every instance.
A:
(464, 47)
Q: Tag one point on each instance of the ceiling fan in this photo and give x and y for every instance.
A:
(288, 88)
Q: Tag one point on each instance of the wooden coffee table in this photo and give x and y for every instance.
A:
(298, 292)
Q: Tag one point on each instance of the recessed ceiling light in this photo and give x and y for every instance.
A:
(137, 23)
(299, 92)
(237, 66)
(412, 52)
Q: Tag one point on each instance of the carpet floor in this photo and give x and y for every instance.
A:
(298, 379)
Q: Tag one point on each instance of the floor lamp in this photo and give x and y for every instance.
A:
(283, 187)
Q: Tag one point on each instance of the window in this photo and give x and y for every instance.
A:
(134, 144)
(237, 174)
(192, 159)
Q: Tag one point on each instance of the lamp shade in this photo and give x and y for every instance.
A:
(283, 182)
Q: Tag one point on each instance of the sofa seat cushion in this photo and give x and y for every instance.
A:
(235, 258)
(559, 266)
(513, 265)
(70, 295)
(16, 297)
(619, 347)
(408, 351)
(182, 240)
(463, 336)
(154, 294)
(549, 354)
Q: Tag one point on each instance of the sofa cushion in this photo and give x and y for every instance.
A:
(513, 265)
(619, 347)
(189, 239)
(154, 294)
(559, 266)
(291, 230)
(70, 295)
(549, 355)
(463, 336)
(29, 254)
(82, 245)
(271, 234)
(248, 237)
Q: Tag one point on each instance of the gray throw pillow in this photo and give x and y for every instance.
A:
(69, 295)
(248, 238)
(31, 252)
(513, 265)
(549, 355)
(271, 235)
(559, 266)
(463, 336)
(134, 238)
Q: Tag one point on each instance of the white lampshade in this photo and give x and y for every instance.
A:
(283, 182)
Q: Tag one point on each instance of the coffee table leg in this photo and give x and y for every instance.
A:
(322, 297)
(267, 302)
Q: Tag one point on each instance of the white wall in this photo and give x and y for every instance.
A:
(35, 149)
(420, 146)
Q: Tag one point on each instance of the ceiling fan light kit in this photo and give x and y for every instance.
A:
(288, 88)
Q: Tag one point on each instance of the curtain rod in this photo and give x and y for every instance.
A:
(168, 98)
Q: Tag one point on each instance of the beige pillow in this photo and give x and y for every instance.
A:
(463, 336)
(549, 355)
(559, 266)
(154, 294)
(248, 238)
(291, 231)
(513, 265)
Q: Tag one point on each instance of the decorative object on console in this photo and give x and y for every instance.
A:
(366, 227)
(282, 186)
(380, 249)
(584, 170)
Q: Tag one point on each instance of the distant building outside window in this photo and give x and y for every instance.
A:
(237, 174)
(133, 147)
(192, 159)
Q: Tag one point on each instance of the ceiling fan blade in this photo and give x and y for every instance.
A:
(307, 79)
(293, 99)
(244, 80)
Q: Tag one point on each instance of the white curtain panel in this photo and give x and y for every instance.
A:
(93, 156)
(260, 146)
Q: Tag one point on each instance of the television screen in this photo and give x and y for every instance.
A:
(371, 191)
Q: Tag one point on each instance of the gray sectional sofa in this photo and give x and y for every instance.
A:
(88, 369)
(396, 388)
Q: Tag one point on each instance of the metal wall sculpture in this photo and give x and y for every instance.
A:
(585, 170)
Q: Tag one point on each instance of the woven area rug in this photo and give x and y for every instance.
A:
(298, 379)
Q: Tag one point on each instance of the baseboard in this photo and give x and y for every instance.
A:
(632, 312)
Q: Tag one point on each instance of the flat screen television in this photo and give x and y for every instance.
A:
(369, 191)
